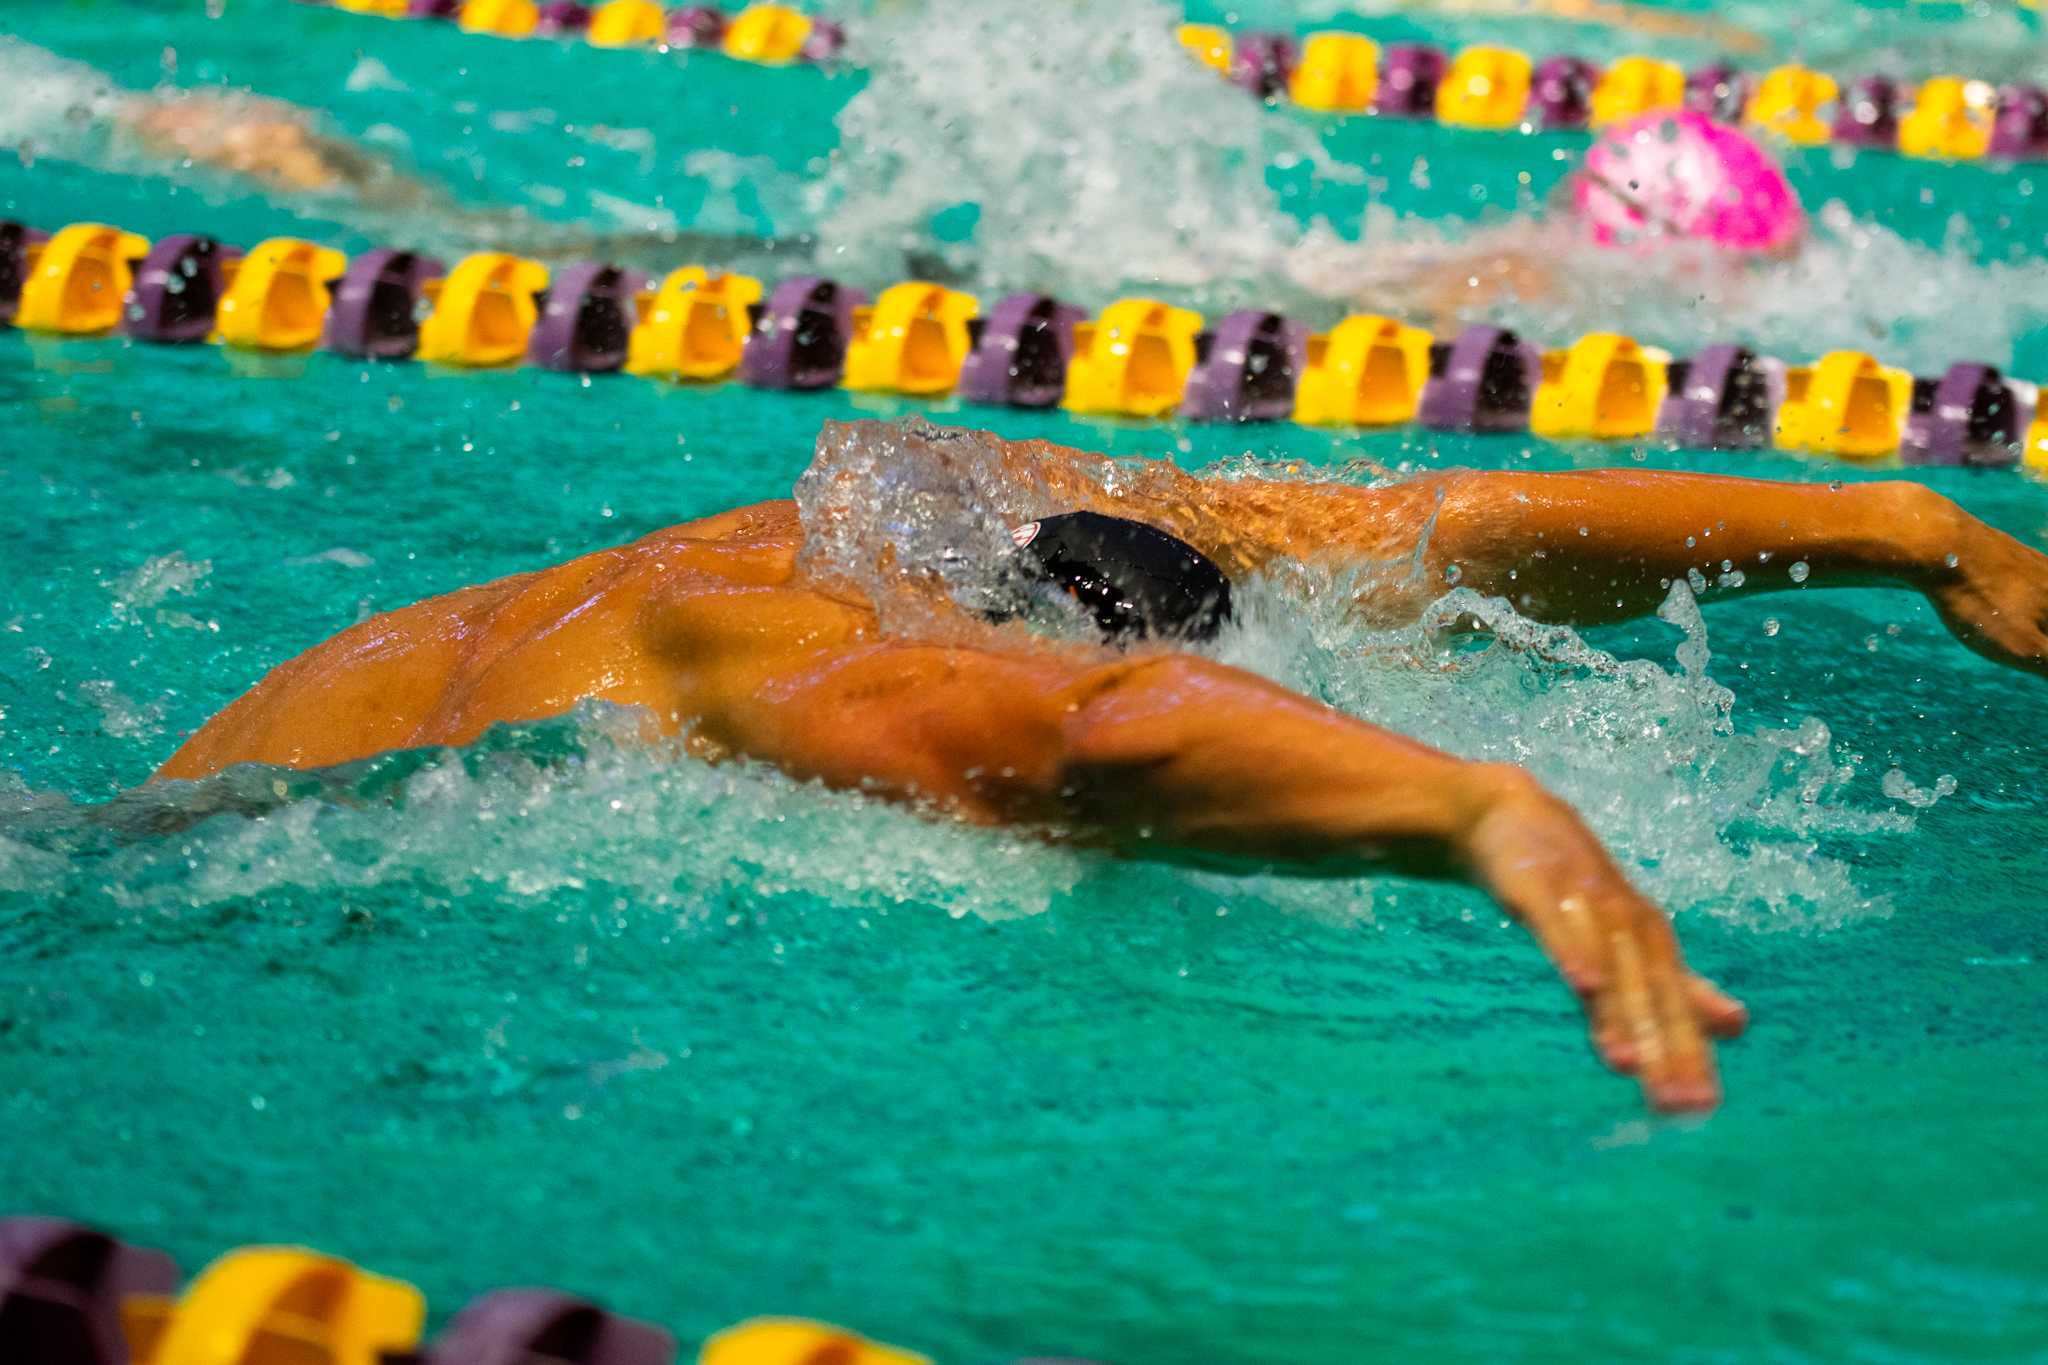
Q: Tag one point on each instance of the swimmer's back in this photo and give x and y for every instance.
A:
(525, 647)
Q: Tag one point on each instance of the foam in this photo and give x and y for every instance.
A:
(1855, 283)
(1062, 131)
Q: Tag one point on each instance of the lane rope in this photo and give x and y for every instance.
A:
(1485, 85)
(1136, 358)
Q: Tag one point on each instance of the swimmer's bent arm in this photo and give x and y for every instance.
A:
(1173, 751)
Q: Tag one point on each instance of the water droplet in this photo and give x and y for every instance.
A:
(1799, 571)
(1452, 573)
(1950, 559)
(1691, 542)
(1770, 625)
(1584, 531)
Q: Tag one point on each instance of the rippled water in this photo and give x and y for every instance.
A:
(560, 1008)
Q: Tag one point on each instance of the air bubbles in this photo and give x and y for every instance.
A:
(1799, 571)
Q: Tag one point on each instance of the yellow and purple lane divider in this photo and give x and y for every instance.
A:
(1137, 358)
(1485, 85)
(768, 34)
(73, 1295)
(1499, 87)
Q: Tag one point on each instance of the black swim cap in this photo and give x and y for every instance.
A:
(1134, 579)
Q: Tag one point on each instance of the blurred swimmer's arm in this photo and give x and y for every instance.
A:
(1604, 545)
(266, 140)
(1440, 285)
(1172, 752)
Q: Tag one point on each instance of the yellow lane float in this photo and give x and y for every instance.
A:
(506, 18)
(1846, 404)
(1636, 85)
(626, 23)
(276, 1306)
(77, 282)
(695, 326)
(1796, 103)
(1134, 360)
(1337, 72)
(1951, 119)
(772, 34)
(1604, 386)
(2034, 454)
(1486, 87)
(1208, 44)
(913, 340)
(278, 295)
(484, 311)
(1368, 371)
(795, 1341)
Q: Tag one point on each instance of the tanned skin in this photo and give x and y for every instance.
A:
(717, 630)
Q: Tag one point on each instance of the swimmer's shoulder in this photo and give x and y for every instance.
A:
(775, 520)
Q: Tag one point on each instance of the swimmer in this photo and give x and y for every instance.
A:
(1671, 190)
(736, 636)
(273, 143)
(73, 112)
(69, 111)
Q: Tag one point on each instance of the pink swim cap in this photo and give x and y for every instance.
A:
(1677, 174)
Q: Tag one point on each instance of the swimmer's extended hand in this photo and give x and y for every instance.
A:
(1175, 751)
(1991, 590)
(1651, 1017)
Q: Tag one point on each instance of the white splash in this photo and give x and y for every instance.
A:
(1706, 815)
(1073, 130)
(371, 74)
(1855, 283)
(340, 554)
(119, 716)
(155, 579)
(1899, 787)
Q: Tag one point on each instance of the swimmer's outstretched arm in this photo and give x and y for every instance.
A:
(1607, 544)
(1582, 547)
(1177, 752)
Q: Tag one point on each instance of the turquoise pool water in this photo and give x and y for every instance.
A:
(707, 1044)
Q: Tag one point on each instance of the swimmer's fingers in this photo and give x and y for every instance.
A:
(1721, 1014)
(1651, 1027)
(1571, 938)
(1622, 962)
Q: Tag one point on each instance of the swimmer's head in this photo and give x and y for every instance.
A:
(1136, 581)
(1679, 176)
